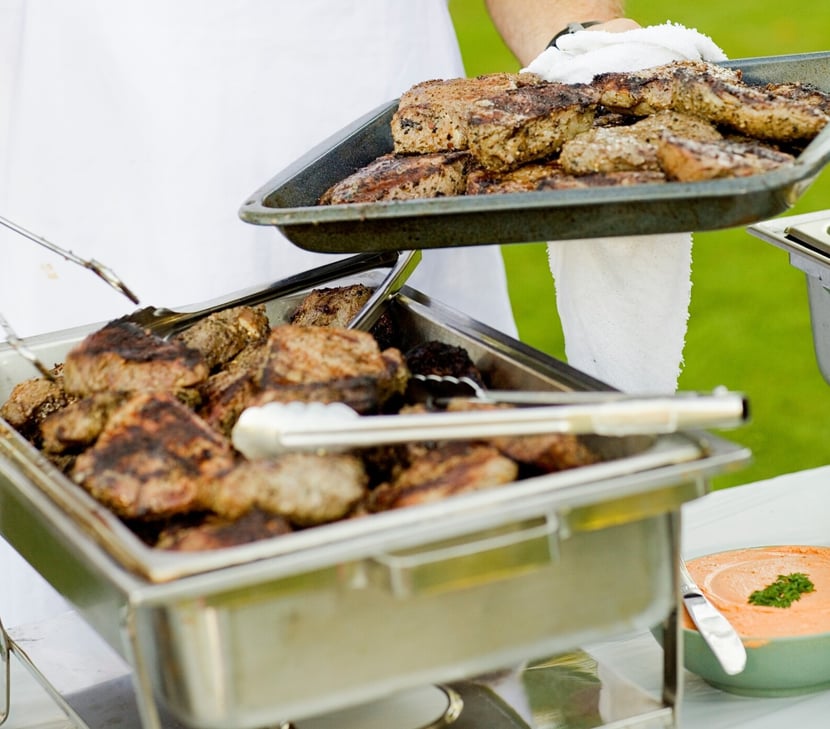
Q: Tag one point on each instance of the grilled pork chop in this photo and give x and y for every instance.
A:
(154, 458)
(328, 364)
(31, 402)
(224, 334)
(447, 470)
(528, 123)
(688, 160)
(216, 532)
(771, 112)
(78, 425)
(123, 357)
(432, 116)
(630, 147)
(396, 177)
(304, 488)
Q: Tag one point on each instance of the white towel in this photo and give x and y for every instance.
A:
(624, 302)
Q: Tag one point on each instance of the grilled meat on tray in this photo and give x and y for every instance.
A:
(449, 469)
(305, 488)
(154, 458)
(397, 177)
(689, 160)
(432, 115)
(528, 123)
(123, 357)
(216, 532)
(324, 364)
(31, 402)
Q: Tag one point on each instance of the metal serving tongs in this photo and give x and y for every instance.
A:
(165, 322)
(99, 269)
(276, 428)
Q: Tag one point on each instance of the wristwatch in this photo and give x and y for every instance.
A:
(572, 28)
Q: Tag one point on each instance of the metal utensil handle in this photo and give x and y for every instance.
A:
(99, 269)
(367, 316)
(164, 322)
(17, 344)
(278, 427)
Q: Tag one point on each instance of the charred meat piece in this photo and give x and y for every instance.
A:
(439, 358)
(327, 364)
(432, 116)
(305, 488)
(658, 88)
(544, 453)
(224, 396)
(688, 160)
(331, 307)
(396, 177)
(216, 532)
(602, 179)
(528, 123)
(79, 424)
(31, 402)
(155, 458)
(631, 147)
(718, 94)
(123, 357)
(526, 178)
(448, 470)
(224, 334)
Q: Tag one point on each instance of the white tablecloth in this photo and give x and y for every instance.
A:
(789, 509)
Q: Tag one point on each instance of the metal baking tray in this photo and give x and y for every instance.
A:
(342, 614)
(288, 201)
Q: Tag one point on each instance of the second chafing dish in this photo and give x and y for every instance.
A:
(341, 614)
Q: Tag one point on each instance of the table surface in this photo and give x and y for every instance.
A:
(789, 509)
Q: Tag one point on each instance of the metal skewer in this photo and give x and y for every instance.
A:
(99, 269)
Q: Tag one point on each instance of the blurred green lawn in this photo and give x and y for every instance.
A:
(749, 326)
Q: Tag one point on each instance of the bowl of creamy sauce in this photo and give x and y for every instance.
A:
(778, 599)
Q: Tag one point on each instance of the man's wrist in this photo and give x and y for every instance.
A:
(572, 28)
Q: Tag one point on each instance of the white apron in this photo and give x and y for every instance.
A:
(131, 132)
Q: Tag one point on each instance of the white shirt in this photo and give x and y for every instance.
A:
(132, 131)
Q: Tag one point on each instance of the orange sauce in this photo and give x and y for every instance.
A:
(729, 578)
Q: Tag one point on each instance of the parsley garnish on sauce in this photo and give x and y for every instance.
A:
(784, 591)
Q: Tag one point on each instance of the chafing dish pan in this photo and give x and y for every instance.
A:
(342, 614)
(288, 201)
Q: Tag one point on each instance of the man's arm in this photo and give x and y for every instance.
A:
(527, 26)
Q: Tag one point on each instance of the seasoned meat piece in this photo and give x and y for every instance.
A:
(658, 88)
(216, 532)
(79, 424)
(154, 458)
(718, 94)
(547, 452)
(528, 123)
(224, 334)
(526, 178)
(450, 469)
(305, 488)
(432, 116)
(31, 402)
(633, 147)
(439, 358)
(225, 395)
(395, 177)
(335, 306)
(688, 160)
(327, 364)
(123, 357)
(604, 179)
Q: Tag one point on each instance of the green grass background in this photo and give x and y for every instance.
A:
(749, 326)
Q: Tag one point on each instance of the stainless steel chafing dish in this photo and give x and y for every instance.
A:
(335, 616)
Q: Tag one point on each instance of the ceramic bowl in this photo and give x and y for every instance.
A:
(775, 666)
